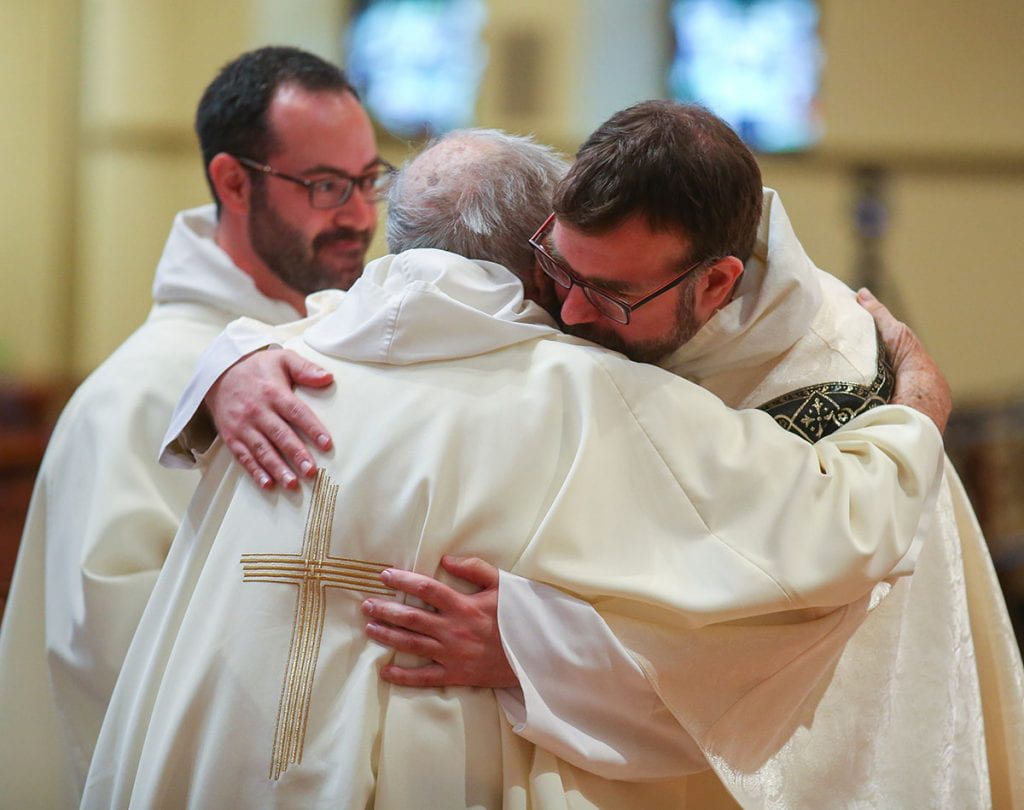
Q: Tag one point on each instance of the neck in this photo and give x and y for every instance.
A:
(232, 236)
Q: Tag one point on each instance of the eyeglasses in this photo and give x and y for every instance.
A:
(608, 305)
(331, 192)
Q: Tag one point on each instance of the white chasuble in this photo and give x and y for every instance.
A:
(464, 423)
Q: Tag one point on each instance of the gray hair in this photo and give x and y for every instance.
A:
(480, 193)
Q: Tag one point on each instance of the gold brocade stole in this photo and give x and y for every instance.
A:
(816, 411)
(313, 570)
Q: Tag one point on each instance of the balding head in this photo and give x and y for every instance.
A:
(480, 193)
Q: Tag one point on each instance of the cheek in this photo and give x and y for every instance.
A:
(294, 217)
(373, 217)
(645, 324)
(312, 223)
(661, 314)
(627, 333)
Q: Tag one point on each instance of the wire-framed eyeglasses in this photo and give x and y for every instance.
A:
(336, 189)
(609, 305)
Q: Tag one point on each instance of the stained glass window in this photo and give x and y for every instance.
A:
(417, 63)
(755, 63)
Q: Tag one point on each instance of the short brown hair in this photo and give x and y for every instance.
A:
(232, 114)
(679, 167)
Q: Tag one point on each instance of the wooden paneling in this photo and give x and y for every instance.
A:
(986, 444)
(26, 418)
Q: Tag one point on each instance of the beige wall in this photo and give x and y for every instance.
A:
(38, 54)
(932, 75)
(144, 64)
(933, 92)
(99, 151)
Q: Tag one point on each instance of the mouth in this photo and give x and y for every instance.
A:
(585, 330)
(347, 246)
(344, 246)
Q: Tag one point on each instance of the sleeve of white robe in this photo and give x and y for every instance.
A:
(757, 504)
(189, 435)
(581, 695)
(585, 698)
(867, 491)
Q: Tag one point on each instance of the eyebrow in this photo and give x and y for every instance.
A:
(614, 286)
(323, 168)
(677, 268)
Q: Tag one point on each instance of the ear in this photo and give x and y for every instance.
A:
(232, 182)
(715, 286)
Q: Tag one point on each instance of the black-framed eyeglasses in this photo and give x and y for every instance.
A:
(610, 306)
(335, 190)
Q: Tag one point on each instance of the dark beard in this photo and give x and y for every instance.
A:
(282, 249)
(645, 351)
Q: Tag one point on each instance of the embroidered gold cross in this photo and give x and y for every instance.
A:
(313, 571)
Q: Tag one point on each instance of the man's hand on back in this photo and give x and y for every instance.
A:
(460, 636)
(257, 414)
(919, 382)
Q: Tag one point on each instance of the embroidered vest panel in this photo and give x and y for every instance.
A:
(819, 410)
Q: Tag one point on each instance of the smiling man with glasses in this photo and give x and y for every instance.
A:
(311, 231)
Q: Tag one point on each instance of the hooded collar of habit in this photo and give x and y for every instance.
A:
(424, 305)
(774, 305)
(194, 270)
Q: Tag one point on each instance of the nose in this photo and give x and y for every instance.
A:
(576, 308)
(357, 212)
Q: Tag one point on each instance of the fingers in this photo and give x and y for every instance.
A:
(464, 640)
(471, 569)
(291, 415)
(867, 298)
(898, 338)
(430, 675)
(404, 641)
(299, 416)
(261, 419)
(279, 429)
(260, 459)
(427, 589)
(920, 383)
(402, 616)
(251, 466)
(269, 440)
(269, 430)
(894, 333)
(305, 372)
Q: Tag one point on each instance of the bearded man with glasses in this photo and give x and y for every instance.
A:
(293, 167)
